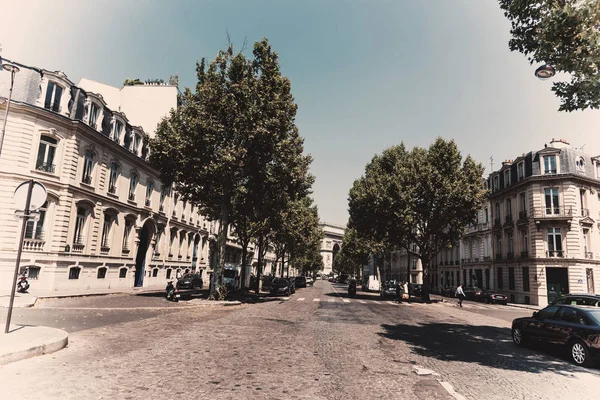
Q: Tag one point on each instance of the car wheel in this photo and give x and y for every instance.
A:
(579, 353)
(518, 337)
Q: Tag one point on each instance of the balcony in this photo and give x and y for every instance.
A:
(508, 219)
(170, 256)
(104, 249)
(562, 212)
(585, 212)
(451, 262)
(589, 255)
(161, 209)
(498, 257)
(555, 254)
(522, 218)
(487, 258)
(131, 197)
(87, 180)
(112, 189)
(77, 247)
(33, 244)
(45, 167)
(510, 256)
(483, 226)
(524, 254)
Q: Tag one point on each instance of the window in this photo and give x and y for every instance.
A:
(499, 244)
(133, 181)
(547, 312)
(93, 119)
(136, 143)
(163, 194)
(126, 234)
(500, 278)
(497, 210)
(127, 140)
(35, 229)
(525, 271)
(169, 273)
(149, 190)
(46, 153)
(172, 241)
(116, 133)
(554, 242)
(155, 272)
(507, 178)
(106, 228)
(551, 199)
(520, 171)
(88, 166)
(112, 179)
(414, 263)
(580, 164)
(33, 272)
(79, 225)
(508, 209)
(101, 273)
(485, 214)
(53, 96)
(145, 151)
(74, 273)
(511, 278)
(523, 205)
(511, 246)
(549, 165)
(496, 184)
(524, 243)
(123, 273)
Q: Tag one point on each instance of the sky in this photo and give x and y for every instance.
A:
(366, 74)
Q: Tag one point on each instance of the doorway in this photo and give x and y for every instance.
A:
(557, 282)
(140, 259)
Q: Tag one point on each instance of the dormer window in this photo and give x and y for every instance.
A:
(93, 117)
(117, 129)
(507, 178)
(53, 97)
(549, 165)
(136, 143)
(520, 171)
(496, 183)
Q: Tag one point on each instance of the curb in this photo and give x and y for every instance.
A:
(67, 295)
(45, 348)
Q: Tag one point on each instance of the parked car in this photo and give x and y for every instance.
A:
(309, 280)
(282, 286)
(582, 299)
(575, 327)
(388, 289)
(448, 291)
(190, 282)
(471, 292)
(492, 297)
(415, 289)
(331, 279)
(300, 281)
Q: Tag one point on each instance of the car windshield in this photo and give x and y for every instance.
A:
(280, 282)
(187, 277)
(229, 273)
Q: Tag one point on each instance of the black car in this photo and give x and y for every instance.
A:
(471, 292)
(415, 289)
(300, 281)
(388, 289)
(190, 282)
(282, 286)
(576, 327)
(492, 297)
(583, 299)
(448, 291)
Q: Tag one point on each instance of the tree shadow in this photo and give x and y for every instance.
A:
(484, 345)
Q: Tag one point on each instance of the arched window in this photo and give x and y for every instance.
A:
(101, 273)
(53, 97)
(109, 220)
(80, 222)
(127, 139)
(46, 153)
(88, 167)
(133, 181)
(155, 272)
(93, 115)
(113, 176)
(35, 229)
(127, 235)
(136, 143)
(123, 272)
(74, 272)
(149, 190)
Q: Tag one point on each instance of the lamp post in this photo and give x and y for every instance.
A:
(13, 69)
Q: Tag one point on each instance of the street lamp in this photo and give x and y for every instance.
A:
(13, 69)
(545, 72)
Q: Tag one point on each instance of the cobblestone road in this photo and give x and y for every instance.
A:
(314, 345)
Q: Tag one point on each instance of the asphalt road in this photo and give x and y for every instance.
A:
(316, 344)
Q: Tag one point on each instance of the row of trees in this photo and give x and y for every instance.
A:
(233, 149)
(422, 197)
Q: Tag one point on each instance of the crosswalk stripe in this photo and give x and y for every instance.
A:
(301, 299)
(285, 298)
(376, 302)
(331, 300)
(316, 299)
(346, 300)
(391, 302)
(362, 302)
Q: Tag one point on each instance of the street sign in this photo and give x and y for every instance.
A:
(33, 215)
(38, 196)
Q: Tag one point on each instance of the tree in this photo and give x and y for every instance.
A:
(424, 197)
(174, 80)
(232, 146)
(566, 35)
(132, 82)
(354, 253)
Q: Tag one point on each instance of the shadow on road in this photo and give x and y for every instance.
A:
(485, 345)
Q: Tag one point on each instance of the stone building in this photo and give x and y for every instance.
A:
(546, 213)
(108, 222)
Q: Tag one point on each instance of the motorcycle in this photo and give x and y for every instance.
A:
(22, 285)
(172, 294)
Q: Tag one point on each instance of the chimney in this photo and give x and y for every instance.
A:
(559, 143)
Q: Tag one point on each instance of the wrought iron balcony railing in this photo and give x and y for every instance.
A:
(45, 167)
(555, 253)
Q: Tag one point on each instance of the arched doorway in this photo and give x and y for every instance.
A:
(335, 250)
(145, 237)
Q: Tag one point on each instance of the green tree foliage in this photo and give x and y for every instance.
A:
(174, 80)
(424, 197)
(566, 35)
(132, 82)
(354, 253)
(232, 146)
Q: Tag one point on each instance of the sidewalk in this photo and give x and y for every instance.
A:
(25, 341)
(21, 300)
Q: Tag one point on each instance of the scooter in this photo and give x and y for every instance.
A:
(172, 294)
(22, 285)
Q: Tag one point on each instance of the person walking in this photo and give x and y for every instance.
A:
(399, 292)
(406, 294)
(460, 293)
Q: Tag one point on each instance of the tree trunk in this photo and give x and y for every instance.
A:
(222, 245)
(244, 262)
(426, 286)
(259, 262)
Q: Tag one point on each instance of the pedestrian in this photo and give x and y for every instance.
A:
(399, 292)
(460, 294)
(406, 295)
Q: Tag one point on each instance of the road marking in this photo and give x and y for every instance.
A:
(346, 300)
(285, 298)
(450, 389)
(301, 299)
(376, 302)
(316, 299)
(392, 303)
(331, 300)
(362, 302)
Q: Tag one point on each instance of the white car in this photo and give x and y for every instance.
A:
(309, 280)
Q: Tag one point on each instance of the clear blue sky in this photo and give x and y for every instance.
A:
(365, 74)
